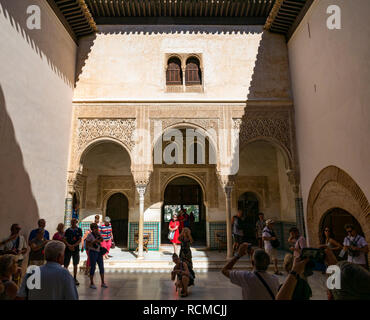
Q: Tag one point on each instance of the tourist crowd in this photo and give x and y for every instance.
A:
(52, 257)
(50, 260)
(299, 264)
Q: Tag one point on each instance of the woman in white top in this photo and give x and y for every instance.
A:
(329, 242)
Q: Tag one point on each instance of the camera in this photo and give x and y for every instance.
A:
(315, 256)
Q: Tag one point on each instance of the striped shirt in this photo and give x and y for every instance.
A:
(106, 231)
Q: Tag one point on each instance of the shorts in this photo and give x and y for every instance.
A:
(74, 254)
(272, 252)
(238, 238)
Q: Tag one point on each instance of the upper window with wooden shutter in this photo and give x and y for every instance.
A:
(174, 75)
(193, 74)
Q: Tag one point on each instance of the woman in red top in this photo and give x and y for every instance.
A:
(174, 227)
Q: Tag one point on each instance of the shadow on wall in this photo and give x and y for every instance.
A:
(83, 52)
(263, 119)
(270, 81)
(17, 203)
(15, 12)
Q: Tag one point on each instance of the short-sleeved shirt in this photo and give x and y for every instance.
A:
(238, 226)
(252, 287)
(299, 244)
(38, 254)
(18, 243)
(106, 231)
(360, 243)
(34, 233)
(56, 284)
(58, 236)
(267, 233)
(91, 238)
(73, 235)
(260, 225)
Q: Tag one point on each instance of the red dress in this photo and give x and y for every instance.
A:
(174, 224)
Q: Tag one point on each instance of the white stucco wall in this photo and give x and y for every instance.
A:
(330, 71)
(128, 63)
(37, 69)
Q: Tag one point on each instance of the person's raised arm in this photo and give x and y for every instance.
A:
(287, 289)
(229, 266)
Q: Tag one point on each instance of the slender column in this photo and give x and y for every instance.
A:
(228, 189)
(300, 215)
(141, 190)
(68, 210)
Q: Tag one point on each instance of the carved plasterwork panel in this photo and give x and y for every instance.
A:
(206, 124)
(275, 125)
(120, 129)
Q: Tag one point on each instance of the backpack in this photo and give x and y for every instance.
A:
(274, 243)
(354, 244)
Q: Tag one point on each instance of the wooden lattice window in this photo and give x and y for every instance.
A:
(174, 75)
(193, 73)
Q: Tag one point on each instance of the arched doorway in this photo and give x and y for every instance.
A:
(117, 210)
(336, 219)
(185, 193)
(248, 203)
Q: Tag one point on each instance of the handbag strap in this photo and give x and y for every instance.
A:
(265, 285)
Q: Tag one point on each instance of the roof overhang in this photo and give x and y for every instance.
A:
(286, 15)
(75, 16)
(80, 17)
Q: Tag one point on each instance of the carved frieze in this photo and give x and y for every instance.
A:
(120, 129)
(274, 125)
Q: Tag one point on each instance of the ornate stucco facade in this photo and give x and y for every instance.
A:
(238, 102)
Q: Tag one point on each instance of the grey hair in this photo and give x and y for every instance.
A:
(355, 282)
(261, 260)
(53, 249)
(107, 219)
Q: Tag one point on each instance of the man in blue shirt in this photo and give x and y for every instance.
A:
(41, 223)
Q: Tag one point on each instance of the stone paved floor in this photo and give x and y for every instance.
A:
(210, 285)
(165, 254)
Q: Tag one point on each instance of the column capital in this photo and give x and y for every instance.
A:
(226, 181)
(141, 178)
(141, 188)
(71, 182)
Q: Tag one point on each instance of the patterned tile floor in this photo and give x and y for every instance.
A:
(210, 285)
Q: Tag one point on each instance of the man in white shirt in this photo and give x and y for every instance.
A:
(256, 284)
(356, 246)
(268, 235)
(14, 244)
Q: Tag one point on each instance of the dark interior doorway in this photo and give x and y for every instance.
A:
(248, 203)
(336, 219)
(117, 210)
(185, 193)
